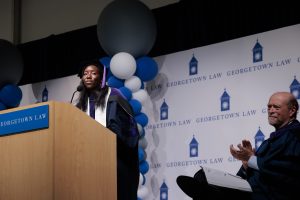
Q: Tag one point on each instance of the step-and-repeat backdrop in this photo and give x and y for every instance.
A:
(203, 100)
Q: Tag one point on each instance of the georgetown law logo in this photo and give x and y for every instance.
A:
(22, 121)
(164, 109)
(257, 52)
(193, 66)
(225, 101)
(164, 191)
(259, 138)
(295, 88)
(194, 147)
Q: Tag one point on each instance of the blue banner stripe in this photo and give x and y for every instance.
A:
(24, 120)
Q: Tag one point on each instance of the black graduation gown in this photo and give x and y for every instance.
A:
(120, 120)
(278, 160)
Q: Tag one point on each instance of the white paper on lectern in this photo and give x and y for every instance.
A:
(225, 179)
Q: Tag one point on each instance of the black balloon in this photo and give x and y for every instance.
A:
(11, 63)
(126, 26)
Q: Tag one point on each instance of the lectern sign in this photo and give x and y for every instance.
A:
(24, 120)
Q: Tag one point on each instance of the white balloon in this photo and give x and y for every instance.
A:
(140, 128)
(143, 143)
(142, 192)
(140, 95)
(141, 181)
(134, 83)
(122, 65)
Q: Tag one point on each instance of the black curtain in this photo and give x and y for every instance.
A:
(180, 26)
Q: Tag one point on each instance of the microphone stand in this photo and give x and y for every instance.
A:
(78, 89)
(73, 96)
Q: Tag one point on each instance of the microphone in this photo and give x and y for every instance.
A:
(78, 89)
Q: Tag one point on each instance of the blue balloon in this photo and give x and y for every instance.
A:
(144, 167)
(109, 74)
(105, 61)
(2, 106)
(142, 119)
(126, 92)
(115, 82)
(10, 95)
(136, 106)
(142, 85)
(141, 153)
(146, 68)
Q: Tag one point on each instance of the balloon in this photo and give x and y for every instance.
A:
(141, 153)
(105, 61)
(142, 85)
(127, 26)
(144, 167)
(126, 92)
(2, 106)
(142, 119)
(122, 65)
(10, 95)
(133, 83)
(143, 143)
(140, 95)
(115, 82)
(145, 155)
(146, 68)
(108, 74)
(141, 130)
(11, 63)
(142, 192)
(142, 180)
(136, 106)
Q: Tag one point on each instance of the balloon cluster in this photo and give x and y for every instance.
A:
(126, 31)
(11, 70)
(129, 75)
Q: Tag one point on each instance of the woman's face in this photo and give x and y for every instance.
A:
(91, 77)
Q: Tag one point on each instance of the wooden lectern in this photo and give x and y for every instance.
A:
(75, 158)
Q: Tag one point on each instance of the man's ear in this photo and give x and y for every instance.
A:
(292, 111)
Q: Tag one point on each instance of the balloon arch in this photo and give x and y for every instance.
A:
(127, 31)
